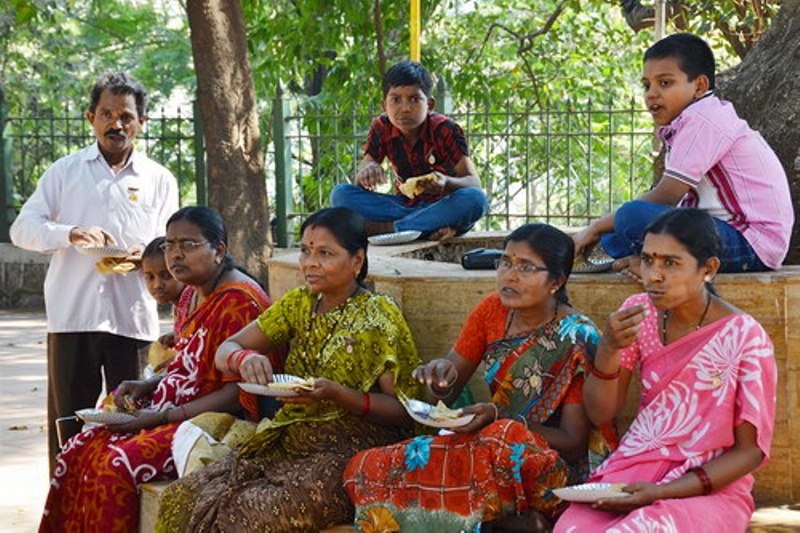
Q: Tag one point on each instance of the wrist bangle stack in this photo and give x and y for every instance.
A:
(235, 358)
(702, 475)
(602, 375)
(365, 405)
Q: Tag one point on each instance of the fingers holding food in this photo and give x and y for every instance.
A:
(623, 326)
(413, 187)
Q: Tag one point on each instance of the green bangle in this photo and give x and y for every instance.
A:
(164, 419)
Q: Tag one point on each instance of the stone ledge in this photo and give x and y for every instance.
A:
(22, 275)
(13, 254)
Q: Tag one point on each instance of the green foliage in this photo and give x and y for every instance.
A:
(486, 54)
(54, 49)
(519, 75)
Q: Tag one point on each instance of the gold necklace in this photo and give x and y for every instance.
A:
(314, 317)
(666, 314)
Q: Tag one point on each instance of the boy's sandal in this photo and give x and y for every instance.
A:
(592, 265)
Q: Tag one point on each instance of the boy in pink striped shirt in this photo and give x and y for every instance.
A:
(714, 161)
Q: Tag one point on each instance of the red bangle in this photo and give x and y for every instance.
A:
(365, 405)
(602, 375)
(700, 472)
(237, 356)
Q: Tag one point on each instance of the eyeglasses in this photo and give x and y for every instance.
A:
(506, 263)
(183, 246)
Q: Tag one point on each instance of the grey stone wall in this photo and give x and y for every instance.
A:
(21, 277)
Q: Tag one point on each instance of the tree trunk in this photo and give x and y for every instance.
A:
(235, 161)
(765, 88)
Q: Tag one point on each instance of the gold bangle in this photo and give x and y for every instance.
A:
(496, 411)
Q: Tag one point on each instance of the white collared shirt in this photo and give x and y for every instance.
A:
(133, 205)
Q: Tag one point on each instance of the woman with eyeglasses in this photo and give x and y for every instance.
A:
(98, 472)
(532, 436)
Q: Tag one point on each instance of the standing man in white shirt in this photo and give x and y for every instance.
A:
(105, 194)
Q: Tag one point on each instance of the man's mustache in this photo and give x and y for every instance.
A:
(119, 133)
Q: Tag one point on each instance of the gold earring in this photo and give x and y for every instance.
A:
(553, 290)
(707, 279)
(218, 260)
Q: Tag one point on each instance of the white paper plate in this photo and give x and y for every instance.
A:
(591, 492)
(266, 390)
(102, 251)
(421, 411)
(398, 237)
(98, 416)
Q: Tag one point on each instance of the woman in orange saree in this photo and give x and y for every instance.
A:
(95, 485)
(532, 436)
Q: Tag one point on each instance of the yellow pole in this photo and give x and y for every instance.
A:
(414, 29)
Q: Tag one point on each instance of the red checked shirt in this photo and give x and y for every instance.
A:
(440, 147)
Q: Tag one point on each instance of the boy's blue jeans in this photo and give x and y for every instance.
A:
(631, 219)
(458, 210)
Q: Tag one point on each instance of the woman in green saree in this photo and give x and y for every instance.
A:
(359, 351)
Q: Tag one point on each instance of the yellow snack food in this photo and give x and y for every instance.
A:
(413, 187)
(109, 406)
(441, 412)
(305, 384)
(115, 265)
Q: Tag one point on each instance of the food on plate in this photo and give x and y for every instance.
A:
(413, 187)
(115, 265)
(128, 405)
(304, 384)
(441, 412)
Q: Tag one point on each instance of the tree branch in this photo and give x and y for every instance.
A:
(378, 18)
(526, 41)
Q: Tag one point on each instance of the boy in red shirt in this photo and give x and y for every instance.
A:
(417, 142)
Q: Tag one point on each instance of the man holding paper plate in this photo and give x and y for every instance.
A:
(105, 200)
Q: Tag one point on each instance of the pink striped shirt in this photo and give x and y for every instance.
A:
(733, 174)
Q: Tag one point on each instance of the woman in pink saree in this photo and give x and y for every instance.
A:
(707, 405)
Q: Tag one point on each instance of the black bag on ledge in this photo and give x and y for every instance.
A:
(480, 259)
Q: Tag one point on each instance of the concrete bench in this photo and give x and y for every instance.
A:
(436, 295)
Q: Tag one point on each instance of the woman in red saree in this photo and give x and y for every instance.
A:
(707, 407)
(95, 485)
(531, 437)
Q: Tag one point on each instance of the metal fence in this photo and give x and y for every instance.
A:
(563, 166)
(29, 144)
